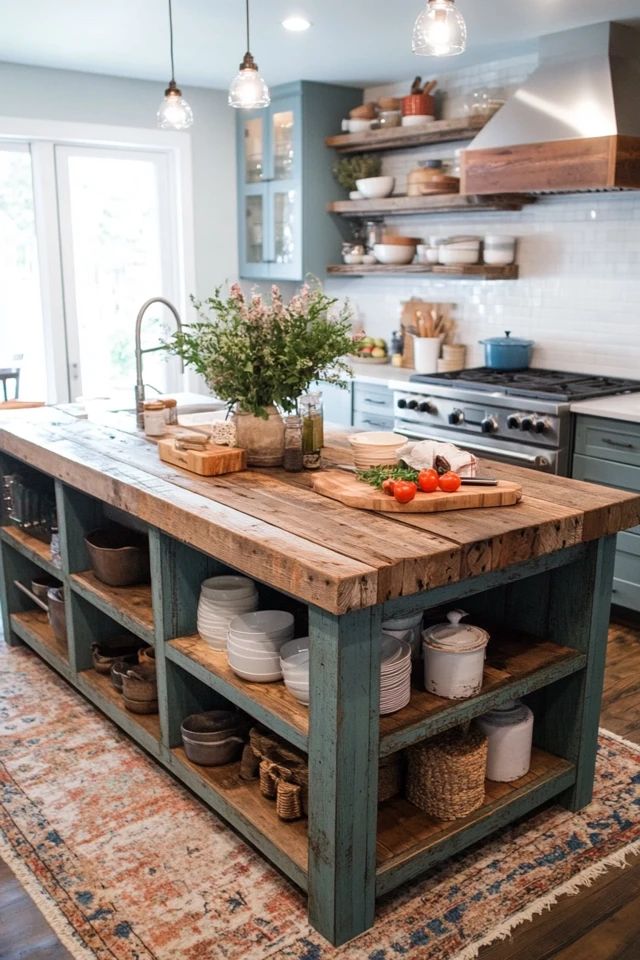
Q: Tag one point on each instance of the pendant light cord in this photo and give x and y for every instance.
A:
(247, 17)
(171, 40)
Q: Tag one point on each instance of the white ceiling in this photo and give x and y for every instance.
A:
(351, 41)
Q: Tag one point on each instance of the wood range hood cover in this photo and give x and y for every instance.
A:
(573, 125)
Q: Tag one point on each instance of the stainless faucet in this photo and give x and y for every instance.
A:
(139, 352)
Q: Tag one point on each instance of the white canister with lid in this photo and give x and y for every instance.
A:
(509, 730)
(454, 655)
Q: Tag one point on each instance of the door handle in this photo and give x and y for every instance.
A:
(378, 403)
(618, 444)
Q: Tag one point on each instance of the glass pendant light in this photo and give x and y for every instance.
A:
(174, 113)
(248, 90)
(440, 30)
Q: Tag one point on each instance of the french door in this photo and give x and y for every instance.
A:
(88, 234)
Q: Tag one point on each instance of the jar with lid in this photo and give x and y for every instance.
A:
(310, 407)
(509, 730)
(454, 654)
(154, 418)
(293, 457)
(372, 234)
(171, 411)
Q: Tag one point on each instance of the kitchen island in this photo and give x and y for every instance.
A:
(538, 574)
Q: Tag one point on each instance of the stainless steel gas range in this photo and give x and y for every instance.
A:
(520, 417)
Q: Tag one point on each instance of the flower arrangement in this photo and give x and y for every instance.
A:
(255, 355)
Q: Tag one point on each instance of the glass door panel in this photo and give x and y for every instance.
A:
(254, 150)
(286, 232)
(115, 228)
(21, 320)
(254, 226)
(283, 140)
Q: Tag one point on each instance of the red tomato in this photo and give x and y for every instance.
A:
(449, 482)
(388, 485)
(404, 491)
(428, 480)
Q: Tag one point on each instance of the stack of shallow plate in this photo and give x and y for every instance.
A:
(222, 599)
(294, 662)
(395, 674)
(254, 641)
(375, 449)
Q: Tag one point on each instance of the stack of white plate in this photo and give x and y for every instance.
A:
(395, 674)
(294, 661)
(254, 641)
(375, 449)
(222, 599)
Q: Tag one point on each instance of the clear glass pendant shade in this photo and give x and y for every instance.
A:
(174, 113)
(439, 30)
(248, 91)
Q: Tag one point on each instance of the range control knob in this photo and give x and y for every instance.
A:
(456, 416)
(402, 403)
(526, 423)
(489, 425)
(513, 421)
(427, 407)
(413, 405)
(540, 426)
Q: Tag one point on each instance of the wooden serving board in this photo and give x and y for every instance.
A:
(346, 488)
(211, 461)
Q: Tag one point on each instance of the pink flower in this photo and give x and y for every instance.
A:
(236, 293)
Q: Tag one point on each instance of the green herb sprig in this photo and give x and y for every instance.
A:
(377, 475)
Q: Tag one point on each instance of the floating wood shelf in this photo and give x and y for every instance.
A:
(31, 548)
(128, 606)
(144, 727)
(480, 270)
(399, 138)
(34, 628)
(432, 205)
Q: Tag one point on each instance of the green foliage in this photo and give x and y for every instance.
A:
(349, 169)
(377, 475)
(254, 355)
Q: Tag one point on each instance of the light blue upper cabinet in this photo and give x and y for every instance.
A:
(285, 181)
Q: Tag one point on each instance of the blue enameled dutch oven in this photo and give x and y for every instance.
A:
(507, 353)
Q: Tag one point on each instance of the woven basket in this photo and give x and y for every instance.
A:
(446, 774)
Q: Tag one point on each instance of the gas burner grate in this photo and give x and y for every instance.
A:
(533, 383)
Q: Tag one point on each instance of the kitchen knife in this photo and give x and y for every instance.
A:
(479, 481)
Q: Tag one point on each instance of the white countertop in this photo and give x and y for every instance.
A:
(376, 372)
(626, 406)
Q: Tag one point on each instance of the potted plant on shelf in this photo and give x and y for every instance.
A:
(260, 357)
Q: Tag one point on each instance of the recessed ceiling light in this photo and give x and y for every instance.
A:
(296, 24)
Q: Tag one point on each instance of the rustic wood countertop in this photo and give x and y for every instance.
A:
(272, 526)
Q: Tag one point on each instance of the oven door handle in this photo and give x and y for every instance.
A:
(535, 458)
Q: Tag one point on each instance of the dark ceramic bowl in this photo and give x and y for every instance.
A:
(213, 725)
(140, 683)
(42, 584)
(119, 556)
(124, 646)
(213, 754)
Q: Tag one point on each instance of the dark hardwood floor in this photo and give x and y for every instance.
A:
(600, 923)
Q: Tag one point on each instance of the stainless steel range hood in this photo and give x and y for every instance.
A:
(573, 125)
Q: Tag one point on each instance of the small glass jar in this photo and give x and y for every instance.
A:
(56, 556)
(293, 457)
(310, 407)
(171, 411)
(154, 421)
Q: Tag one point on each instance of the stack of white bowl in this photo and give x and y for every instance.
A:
(294, 661)
(254, 641)
(395, 674)
(222, 599)
(375, 449)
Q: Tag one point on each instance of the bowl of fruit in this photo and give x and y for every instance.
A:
(370, 350)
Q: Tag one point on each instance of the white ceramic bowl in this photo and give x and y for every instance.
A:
(358, 126)
(374, 188)
(416, 120)
(397, 254)
(456, 257)
(499, 240)
(227, 587)
(246, 647)
(265, 622)
(261, 661)
(252, 676)
(375, 438)
(293, 648)
(499, 258)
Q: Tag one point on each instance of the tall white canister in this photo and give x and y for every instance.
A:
(454, 655)
(509, 730)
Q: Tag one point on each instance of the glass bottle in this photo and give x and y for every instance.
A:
(310, 407)
(293, 458)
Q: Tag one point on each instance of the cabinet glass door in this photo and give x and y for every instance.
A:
(253, 149)
(285, 213)
(255, 234)
(283, 142)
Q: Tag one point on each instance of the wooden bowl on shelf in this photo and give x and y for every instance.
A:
(398, 240)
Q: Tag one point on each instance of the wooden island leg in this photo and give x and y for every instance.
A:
(343, 771)
(568, 711)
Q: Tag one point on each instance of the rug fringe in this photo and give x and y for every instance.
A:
(617, 738)
(52, 913)
(570, 888)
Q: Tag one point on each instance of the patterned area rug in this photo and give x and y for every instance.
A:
(127, 865)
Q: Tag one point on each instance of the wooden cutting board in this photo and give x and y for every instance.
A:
(346, 488)
(212, 461)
